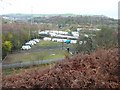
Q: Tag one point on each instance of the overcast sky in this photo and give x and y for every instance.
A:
(89, 7)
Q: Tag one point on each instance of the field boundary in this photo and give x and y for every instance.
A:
(30, 63)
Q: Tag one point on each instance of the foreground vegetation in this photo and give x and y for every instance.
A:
(100, 69)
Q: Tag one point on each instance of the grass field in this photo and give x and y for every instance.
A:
(47, 45)
(42, 51)
(50, 50)
(52, 45)
(34, 56)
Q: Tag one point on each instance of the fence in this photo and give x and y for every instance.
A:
(28, 64)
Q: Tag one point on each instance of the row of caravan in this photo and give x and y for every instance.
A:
(59, 40)
(60, 34)
(54, 32)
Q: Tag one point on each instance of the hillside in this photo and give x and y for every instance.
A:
(63, 19)
(79, 20)
(100, 69)
(37, 15)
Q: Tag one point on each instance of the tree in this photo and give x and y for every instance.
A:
(10, 36)
(106, 37)
(6, 47)
(84, 44)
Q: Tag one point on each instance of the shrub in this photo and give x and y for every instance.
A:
(97, 70)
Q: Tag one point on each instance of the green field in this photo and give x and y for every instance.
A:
(55, 52)
(50, 44)
(34, 56)
(47, 45)
(50, 50)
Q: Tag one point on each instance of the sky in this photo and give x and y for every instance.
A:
(83, 7)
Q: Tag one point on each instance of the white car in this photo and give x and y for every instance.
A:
(36, 40)
(28, 43)
(31, 41)
(24, 47)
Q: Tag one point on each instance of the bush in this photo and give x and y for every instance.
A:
(6, 47)
(97, 70)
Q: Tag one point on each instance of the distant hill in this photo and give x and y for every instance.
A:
(26, 16)
(37, 15)
(78, 19)
(62, 19)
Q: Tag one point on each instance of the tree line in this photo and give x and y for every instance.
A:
(106, 38)
(80, 20)
(14, 35)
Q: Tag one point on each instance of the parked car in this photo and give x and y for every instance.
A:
(28, 44)
(36, 40)
(31, 41)
(25, 47)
